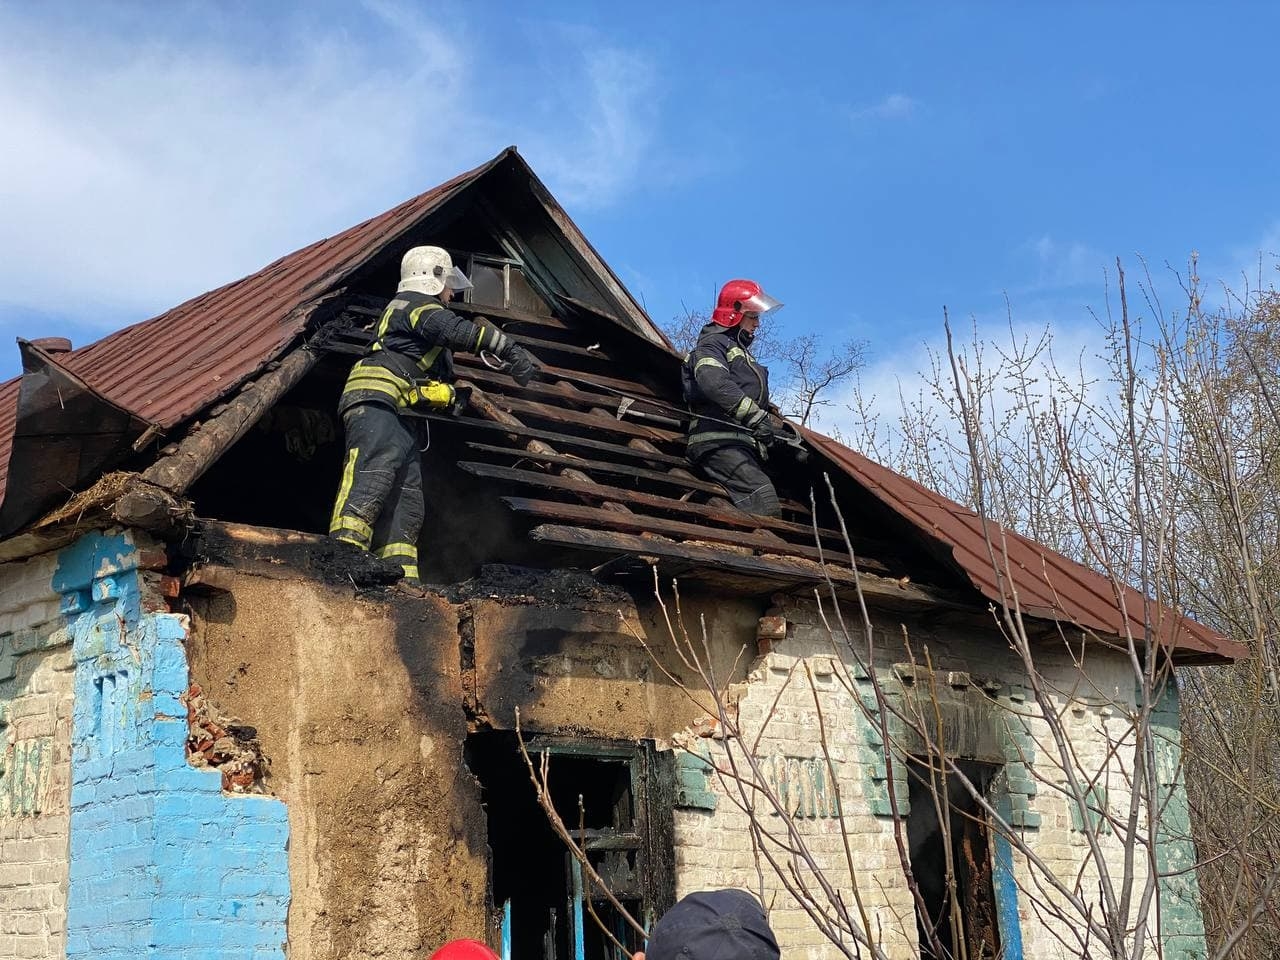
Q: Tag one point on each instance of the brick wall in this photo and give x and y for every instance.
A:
(163, 864)
(714, 847)
(35, 736)
(779, 705)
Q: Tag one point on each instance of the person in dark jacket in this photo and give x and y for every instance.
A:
(727, 391)
(713, 925)
(409, 366)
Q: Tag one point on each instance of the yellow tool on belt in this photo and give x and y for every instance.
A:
(432, 394)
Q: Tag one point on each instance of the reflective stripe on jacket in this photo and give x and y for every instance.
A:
(723, 381)
(414, 341)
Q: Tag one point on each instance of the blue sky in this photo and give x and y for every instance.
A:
(867, 163)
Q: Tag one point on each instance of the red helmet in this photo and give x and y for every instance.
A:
(464, 950)
(738, 297)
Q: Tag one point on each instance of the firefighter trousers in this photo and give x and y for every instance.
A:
(380, 505)
(737, 468)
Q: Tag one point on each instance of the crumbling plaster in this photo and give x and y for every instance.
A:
(363, 704)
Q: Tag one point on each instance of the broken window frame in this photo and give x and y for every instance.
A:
(651, 834)
(981, 906)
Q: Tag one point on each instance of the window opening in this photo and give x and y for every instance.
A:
(539, 894)
(969, 842)
(501, 282)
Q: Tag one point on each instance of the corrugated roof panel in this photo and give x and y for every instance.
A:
(1048, 584)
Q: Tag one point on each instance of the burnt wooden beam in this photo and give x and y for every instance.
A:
(481, 402)
(152, 508)
(556, 437)
(559, 392)
(780, 572)
(605, 421)
(629, 387)
(557, 512)
(870, 554)
(201, 448)
(602, 467)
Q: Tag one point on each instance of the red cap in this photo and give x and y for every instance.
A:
(464, 950)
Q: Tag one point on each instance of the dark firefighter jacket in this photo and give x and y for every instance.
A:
(723, 381)
(414, 343)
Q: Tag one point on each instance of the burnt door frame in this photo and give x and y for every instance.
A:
(650, 836)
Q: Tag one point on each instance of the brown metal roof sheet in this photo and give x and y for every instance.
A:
(170, 367)
(1045, 583)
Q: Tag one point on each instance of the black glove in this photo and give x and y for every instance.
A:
(522, 366)
(492, 340)
(761, 428)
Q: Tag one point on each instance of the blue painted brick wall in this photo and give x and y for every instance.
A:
(164, 865)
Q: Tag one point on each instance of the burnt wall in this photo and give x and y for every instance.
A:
(358, 705)
(363, 704)
(601, 668)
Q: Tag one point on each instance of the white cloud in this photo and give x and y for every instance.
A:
(1248, 267)
(167, 163)
(158, 170)
(1062, 264)
(895, 106)
(917, 376)
(610, 127)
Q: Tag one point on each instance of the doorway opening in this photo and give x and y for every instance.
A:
(605, 793)
(962, 916)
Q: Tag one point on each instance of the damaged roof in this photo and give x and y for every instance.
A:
(564, 459)
(167, 369)
(1041, 582)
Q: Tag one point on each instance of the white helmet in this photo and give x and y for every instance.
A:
(429, 270)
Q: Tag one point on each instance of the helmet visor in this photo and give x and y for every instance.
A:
(760, 303)
(456, 280)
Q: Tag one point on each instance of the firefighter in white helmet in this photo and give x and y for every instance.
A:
(409, 366)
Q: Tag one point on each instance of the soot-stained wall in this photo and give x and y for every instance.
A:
(363, 705)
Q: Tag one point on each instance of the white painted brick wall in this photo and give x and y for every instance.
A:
(35, 707)
(713, 849)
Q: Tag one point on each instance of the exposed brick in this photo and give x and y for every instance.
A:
(709, 851)
(35, 947)
(35, 746)
(156, 848)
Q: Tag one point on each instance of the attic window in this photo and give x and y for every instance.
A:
(500, 282)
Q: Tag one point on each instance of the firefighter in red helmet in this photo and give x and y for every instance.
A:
(727, 390)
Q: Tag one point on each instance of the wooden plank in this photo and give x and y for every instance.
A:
(593, 420)
(778, 571)
(553, 436)
(630, 387)
(700, 555)
(201, 448)
(676, 478)
(507, 316)
(608, 469)
(638, 523)
(563, 392)
(731, 518)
